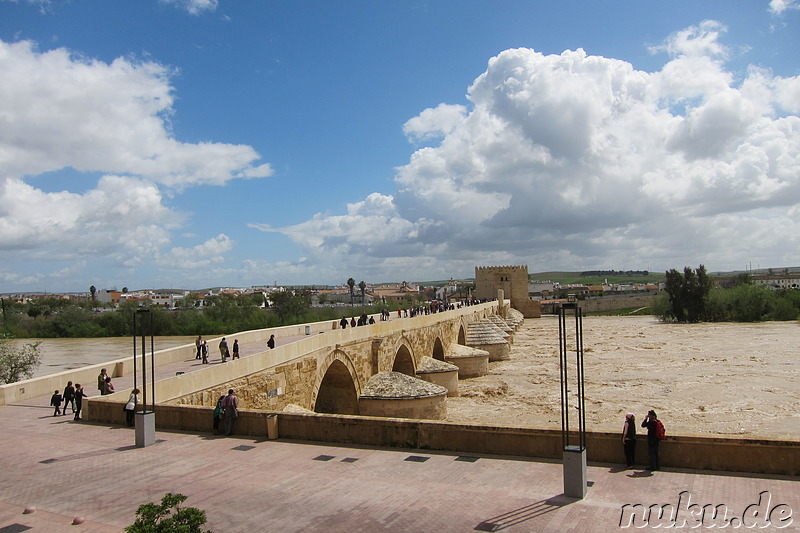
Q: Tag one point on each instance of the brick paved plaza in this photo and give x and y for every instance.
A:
(66, 469)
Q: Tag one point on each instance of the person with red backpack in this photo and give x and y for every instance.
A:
(655, 434)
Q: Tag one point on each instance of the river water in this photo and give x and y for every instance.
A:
(67, 354)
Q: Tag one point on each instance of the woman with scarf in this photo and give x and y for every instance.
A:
(629, 439)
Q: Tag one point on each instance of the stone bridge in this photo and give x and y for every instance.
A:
(367, 369)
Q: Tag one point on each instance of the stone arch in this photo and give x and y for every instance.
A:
(404, 361)
(462, 334)
(438, 349)
(338, 388)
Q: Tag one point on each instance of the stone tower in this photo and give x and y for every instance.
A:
(513, 280)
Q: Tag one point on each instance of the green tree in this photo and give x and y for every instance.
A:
(322, 298)
(162, 518)
(93, 292)
(18, 363)
(352, 284)
(291, 306)
(688, 294)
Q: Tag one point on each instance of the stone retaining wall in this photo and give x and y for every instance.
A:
(760, 456)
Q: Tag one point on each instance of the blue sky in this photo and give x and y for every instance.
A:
(189, 144)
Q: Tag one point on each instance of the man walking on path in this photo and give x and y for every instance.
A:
(223, 349)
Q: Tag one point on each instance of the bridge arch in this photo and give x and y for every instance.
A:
(462, 334)
(337, 388)
(404, 361)
(438, 349)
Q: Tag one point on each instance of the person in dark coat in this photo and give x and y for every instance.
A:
(79, 396)
(69, 397)
(629, 439)
(651, 423)
(55, 401)
(271, 342)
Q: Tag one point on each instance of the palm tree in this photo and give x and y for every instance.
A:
(93, 291)
(351, 283)
(363, 287)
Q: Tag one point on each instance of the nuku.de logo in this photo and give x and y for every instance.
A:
(692, 515)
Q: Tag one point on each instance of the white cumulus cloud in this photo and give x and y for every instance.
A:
(63, 114)
(572, 160)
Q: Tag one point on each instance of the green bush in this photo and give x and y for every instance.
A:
(161, 518)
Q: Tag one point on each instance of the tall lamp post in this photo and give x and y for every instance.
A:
(145, 419)
(573, 443)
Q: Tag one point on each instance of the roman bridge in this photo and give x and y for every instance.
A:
(360, 370)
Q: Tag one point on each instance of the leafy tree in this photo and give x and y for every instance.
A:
(322, 298)
(18, 363)
(688, 294)
(124, 290)
(291, 305)
(352, 284)
(160, 518)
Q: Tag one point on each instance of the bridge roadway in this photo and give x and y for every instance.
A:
(66, 469)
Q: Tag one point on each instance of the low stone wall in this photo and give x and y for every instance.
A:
(692, 452)
(614, 303)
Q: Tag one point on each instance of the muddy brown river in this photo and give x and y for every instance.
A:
(705, 379)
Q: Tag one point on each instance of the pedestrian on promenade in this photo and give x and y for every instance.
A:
(130, 407)
(218, 414)
(343, 323)
(101, 381)
(629, 439)
(235, 349)
(79, 396)
(204, 352)
(108, 387)
(55, 401)
(230, 409)
(69, 397)
(271, 342)
(353, 322)
(223, 349)
(199, 344)
(655, 432)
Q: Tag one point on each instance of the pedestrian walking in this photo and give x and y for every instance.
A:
(199, 344)
(235, 349)
(79, 396)
(69, 397)
(55, 401)
(223, 349)
(204, 352)
(271, 341)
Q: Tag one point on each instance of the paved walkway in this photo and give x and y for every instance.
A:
(66, 469)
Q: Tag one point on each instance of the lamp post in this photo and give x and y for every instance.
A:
(573, 443)
(145, 419)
